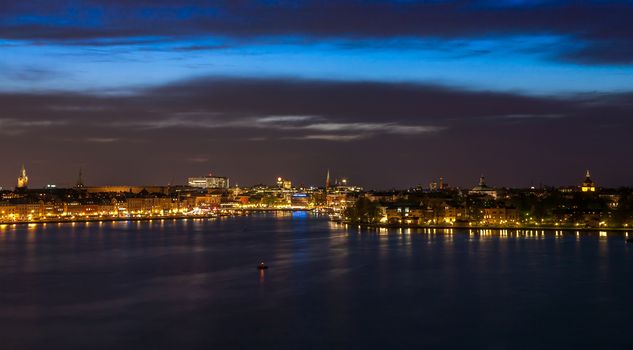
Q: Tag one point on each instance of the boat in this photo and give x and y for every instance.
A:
(262, 266)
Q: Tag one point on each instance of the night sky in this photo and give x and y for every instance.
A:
(387, 93)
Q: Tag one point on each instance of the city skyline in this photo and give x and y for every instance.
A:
(215, 180)
(388, 93)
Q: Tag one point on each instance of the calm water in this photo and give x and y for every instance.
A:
(194, 285)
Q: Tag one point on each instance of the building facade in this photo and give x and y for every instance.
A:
(209, 182)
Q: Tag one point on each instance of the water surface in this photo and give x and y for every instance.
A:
(194, 285)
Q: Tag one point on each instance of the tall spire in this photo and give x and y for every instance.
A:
(23, 179)
(80, 179)
(588, 185)
(327, 179)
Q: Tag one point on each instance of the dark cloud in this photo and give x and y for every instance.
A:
(27, 73)
(603, 29)
(379, 134)
(601, 52)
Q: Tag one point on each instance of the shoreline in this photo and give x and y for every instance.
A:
(491, 227)
(342, 222)
(240, 212)
(88, 220)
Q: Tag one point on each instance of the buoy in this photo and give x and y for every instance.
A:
(262, 266)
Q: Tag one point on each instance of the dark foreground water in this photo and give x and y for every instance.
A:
(194, 285)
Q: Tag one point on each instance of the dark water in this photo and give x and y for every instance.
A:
(194, 285)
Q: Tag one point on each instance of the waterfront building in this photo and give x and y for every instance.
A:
(22, 211)
(54, 209)
(500, 215)
(209, 200)
(301, 200)
(588, 185)
(451, 213)
(209, 182)
(437, 213)
(583, 217)
(336, 200)
(78, 209)
(152, 205)
(406, 214)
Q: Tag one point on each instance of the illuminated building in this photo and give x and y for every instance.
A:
(128, 189)
(434, 186)
(22, 211)
(588, 185)
(302, 200)
(209, 182)
(81, 209)
(409, 215)
(483, 189)
(211, 200)
(342, 186)
(149, 205)
(500, 215)
(451, 214)
(23, 180)
(283, 183)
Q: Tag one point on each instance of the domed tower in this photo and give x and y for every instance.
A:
(23, 180)
(588, 185)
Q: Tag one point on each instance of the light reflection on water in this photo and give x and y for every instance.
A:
(194, 284)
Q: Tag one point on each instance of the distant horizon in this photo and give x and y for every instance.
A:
(271, 181)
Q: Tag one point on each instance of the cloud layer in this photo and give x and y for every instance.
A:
(597, 32)
(379, 134)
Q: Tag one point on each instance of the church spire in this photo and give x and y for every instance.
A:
(588, 185)
(327, 179)
(80, 179)
(23, 179)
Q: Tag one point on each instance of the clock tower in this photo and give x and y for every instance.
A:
(23, 180)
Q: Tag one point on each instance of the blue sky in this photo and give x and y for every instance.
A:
(519, 63)
(534, 47)
(97, 84)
